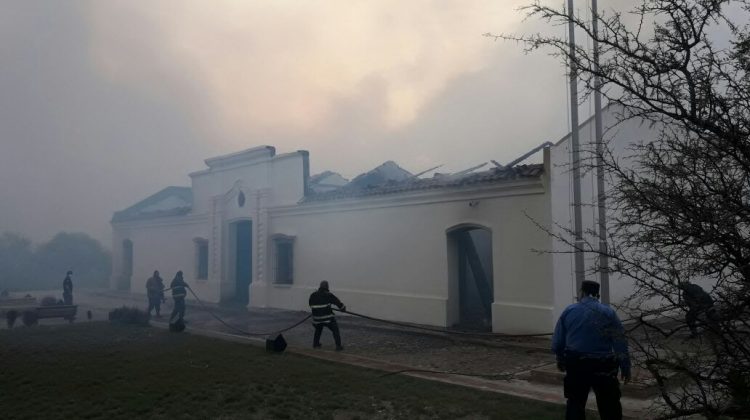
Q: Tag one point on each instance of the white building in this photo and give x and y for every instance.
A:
(464, 249)
(619, 135)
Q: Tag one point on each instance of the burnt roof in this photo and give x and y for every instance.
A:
(322, 175)
(492, 176)
(385, 173)
(157, 206)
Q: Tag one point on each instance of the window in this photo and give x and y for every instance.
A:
(201, 254)
(284, 259)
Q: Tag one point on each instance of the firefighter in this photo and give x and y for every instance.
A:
(155, 293)
(322, 314)
(68, 288)
(590, 345)
(179, 292)
(700, 306)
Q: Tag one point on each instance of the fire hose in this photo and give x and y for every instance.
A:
(498, 376)
(363, 316)
(240, 330)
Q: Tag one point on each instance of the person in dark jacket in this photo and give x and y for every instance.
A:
(155, 293)
(179, 292)
(590, 345)
(700, 306)
(68, 288)
(322, 314)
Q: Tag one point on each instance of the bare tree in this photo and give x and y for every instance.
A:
(681, 206)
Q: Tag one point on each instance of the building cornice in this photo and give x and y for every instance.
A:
(424, 197)
(247, 156)
(420, 197)
(189, 219)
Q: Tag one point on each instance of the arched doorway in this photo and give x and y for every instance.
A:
(241, 241)
(471, 277)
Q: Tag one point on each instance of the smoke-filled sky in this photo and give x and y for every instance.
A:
(103, 103)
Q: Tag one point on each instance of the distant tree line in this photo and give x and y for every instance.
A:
(24, 266)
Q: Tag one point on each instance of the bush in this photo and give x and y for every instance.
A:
(30, 318)
(10, 318)
(128, 315)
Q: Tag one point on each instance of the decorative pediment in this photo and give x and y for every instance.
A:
(235, 191)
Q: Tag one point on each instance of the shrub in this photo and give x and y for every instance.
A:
(128, 315)
(30, 318)
(10, 318)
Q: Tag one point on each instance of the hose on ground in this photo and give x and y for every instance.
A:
(438, 330)
(240, 330)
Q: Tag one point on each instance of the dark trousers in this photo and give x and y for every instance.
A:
(68, 298)
(583, 374)
(333, 326)
(155, 303)
(179, 310)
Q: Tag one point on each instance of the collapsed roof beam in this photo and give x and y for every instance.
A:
(466, 171)
(529, 153)
(428, 170)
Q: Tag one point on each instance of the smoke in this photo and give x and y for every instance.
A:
(105, 103)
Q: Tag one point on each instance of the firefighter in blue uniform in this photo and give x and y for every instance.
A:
(179, 292)
(590, 345)
(322, 314)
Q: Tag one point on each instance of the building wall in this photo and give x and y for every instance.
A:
(386, 256)
(618, 137)
(389, 257)
(168, 246)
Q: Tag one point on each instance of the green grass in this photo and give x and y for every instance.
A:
(98, 370)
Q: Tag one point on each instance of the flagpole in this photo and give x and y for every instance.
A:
(600, 193)
(578, 251)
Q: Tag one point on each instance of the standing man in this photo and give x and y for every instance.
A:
(179, 292)
(700, 307)
(155, 293)
(591, 347)
(322, 314)
(68, 288)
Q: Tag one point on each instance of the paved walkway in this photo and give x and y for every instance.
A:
(378, 346)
